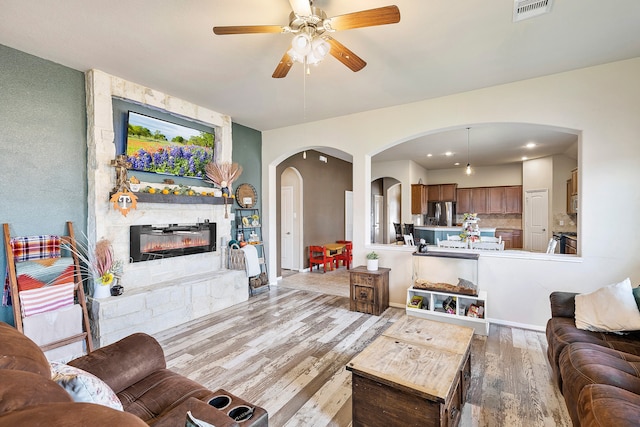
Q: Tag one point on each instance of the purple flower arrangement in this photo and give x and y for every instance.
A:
(188, 160)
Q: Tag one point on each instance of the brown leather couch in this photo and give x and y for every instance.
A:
(598, 373)
(135, 370)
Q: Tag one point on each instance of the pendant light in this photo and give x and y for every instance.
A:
(468, 171)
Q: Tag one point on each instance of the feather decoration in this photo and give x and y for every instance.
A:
(223, 174)
(103, 257)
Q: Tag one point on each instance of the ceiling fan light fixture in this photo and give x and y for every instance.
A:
(295, 56)
(301, 44)
(320, 48)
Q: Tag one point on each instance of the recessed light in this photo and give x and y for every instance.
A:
(429, 155)
(530, 145)
(448, 153)
(456, 164)
(525, 158)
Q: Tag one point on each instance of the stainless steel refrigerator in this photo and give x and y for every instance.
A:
(442, 213)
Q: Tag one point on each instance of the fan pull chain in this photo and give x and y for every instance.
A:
(304, 89)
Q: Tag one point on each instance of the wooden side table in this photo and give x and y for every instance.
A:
(369, 290)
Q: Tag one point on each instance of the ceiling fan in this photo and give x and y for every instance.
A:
(311, 41)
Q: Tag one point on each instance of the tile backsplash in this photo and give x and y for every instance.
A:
(496, 220)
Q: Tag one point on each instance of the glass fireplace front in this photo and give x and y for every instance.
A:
(149, 242)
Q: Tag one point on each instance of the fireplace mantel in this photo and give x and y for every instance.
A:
(180, 199)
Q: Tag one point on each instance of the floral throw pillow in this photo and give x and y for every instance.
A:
(83, 386)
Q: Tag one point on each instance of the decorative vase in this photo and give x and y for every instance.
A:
(372, 264)
(101, 291)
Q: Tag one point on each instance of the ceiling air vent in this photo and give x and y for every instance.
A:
(525, 9)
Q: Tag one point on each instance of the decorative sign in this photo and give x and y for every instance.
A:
(124, 201)
(246, 195)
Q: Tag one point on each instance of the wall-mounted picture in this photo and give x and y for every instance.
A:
(159, 146)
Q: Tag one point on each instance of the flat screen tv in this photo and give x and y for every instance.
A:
(159, 146)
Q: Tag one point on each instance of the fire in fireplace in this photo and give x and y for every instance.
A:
(149, 242)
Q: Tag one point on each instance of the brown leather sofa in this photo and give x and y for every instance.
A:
(134, 368)
(598, 373)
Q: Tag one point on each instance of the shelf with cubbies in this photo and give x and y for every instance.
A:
(448, 306)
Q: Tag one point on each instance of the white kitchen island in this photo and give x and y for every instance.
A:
(430, 233)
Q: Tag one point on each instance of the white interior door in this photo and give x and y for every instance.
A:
(536, 215)
(378, 214)
(348, 215)
(286, 227)
(394, 200)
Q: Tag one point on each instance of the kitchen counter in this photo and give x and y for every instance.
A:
(451, 229)
(432, 233)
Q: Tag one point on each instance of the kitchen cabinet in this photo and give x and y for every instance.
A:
(513, 199)
(517, 238)
(490, 200)
(571, 246)
(464, 202)
(479, 200)
(442, 192)
(507, 237)
(512, 237)
(448, 192)
(472, 200)
(574, 182)
(495, 200)
(418, 199)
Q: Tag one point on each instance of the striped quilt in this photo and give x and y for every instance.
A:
(45, 280)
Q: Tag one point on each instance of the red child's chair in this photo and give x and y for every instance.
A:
(318, 256)
(346, 256)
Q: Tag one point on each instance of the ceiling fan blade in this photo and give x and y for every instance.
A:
(283, 67)
(344, 55)
(301, 7)
(366, 18)
(247, 29)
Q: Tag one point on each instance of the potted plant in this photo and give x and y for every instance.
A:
(372, 261)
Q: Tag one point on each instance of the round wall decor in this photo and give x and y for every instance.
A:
(246, 195)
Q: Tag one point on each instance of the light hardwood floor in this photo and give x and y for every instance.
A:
(286, 350)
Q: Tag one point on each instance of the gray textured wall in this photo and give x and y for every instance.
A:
(43, 143)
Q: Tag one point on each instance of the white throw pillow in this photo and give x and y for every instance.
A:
(609, 309)
(83, 386)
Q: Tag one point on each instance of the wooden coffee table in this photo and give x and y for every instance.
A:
(416, 373)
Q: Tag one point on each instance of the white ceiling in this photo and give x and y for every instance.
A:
(440, 47)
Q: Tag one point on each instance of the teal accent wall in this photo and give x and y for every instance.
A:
(44, 152)
(247, 152)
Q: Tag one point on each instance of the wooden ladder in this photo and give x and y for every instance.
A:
(79, 295)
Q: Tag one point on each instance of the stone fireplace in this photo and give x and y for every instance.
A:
(165, 291)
